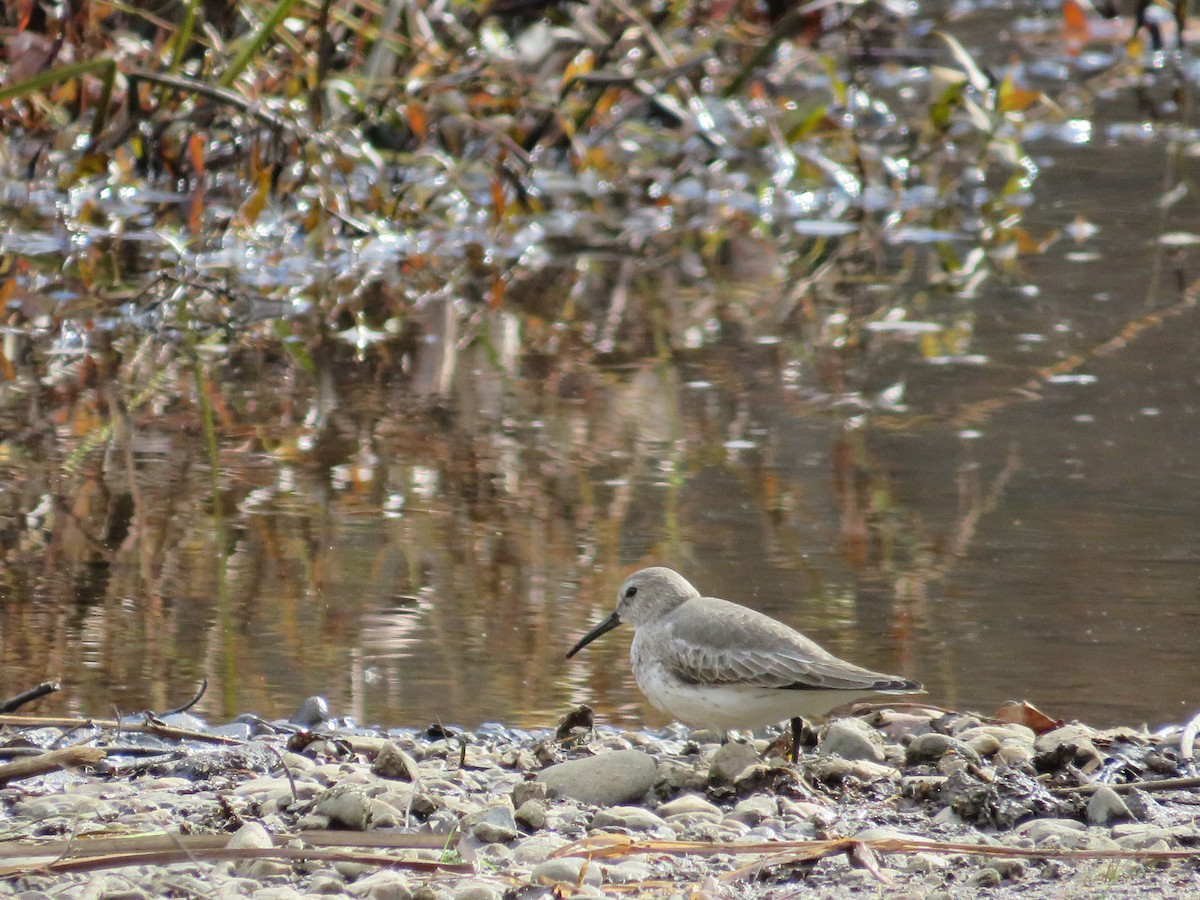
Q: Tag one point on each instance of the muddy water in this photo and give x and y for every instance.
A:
(1014, 513)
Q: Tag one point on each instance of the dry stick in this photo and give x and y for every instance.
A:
(168, 857)
(1162, 784)
(286, 770)
(146, 843)
(612, 846)
(50, 762)
(164, 731)
(34, 693)
(195, 699)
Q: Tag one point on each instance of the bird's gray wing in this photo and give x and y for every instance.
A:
(722, 643)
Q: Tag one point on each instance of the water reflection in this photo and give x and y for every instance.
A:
(990, 486)
(431, 561)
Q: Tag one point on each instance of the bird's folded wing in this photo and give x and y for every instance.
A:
(785, 660)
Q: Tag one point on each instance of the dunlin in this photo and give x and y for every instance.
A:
(715, 664)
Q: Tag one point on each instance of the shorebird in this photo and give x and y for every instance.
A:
(715, 664)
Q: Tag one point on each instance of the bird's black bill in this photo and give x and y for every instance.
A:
(604, 627)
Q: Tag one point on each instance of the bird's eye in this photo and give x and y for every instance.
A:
(630, 593)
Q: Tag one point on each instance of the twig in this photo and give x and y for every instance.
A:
(34, 693)
(50, 761)
(1161, 784)
(196, 699)
(166, 731)
(168, 857)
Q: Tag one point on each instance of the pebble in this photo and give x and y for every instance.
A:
(688, 803)
(931, 747)
(1139, 836)
(633, 818)
(569, 869)
(478, 890)
(730, 761)
(345, 805)
(630, 871)
(385, 884)
(1070, 743)
(852, 739)
(754, 810)
(984, 878)
(537, 849)
(1106, 807)
(392, 762)
(495, 824)
(532, 815)
(607, 779)
(1038, 830)
(508, 818)
(835, 769)
(525, 791)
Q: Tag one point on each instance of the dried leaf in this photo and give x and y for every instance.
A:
(1019, 712)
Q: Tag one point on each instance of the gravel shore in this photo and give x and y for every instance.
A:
(920, 803)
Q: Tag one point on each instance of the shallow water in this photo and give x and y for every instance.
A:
(1001, 500)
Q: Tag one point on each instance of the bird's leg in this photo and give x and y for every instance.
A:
(797, 724)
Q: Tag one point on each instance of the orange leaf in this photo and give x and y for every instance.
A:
(499, 204)
(195, 150)
(195, 219)
(1019, 712)
(418, 121)
(253, 207)
(496, 294)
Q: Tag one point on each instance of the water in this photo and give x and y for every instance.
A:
(998, 493)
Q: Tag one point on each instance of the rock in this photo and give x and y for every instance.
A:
(834, 769)
(1068, 744)
(632, 817)
(851, 739)
(478, 890)
(532, 814)
(609, 779)
(984, 878)
(313, 711)
(345, 805)
(984, 744)
(537, 849)
(325, 884)
(676, 776)
(1137, 836)
(381, 814)
(922, 787)
(931, 747)
(569, 869)
(1106, 807)
(926, 862)
(730, 761)
(1015, 755)
(1141, 805)
(687, 822)
(385, 884)
(1067, 832)
(755, 809)
(527, 790)
(688, 803)
(392, 762)
(252, 836)
(496, 824)
(630, 871)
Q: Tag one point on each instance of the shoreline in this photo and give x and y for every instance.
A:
(923, 803)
